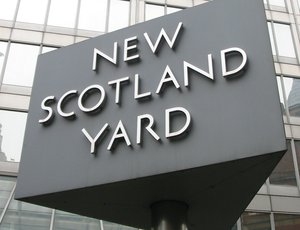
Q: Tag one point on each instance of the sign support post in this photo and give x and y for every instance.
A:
(169, 215)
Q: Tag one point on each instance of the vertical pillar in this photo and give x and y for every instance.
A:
(169, 215)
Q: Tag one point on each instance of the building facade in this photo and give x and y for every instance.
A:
(31, 27)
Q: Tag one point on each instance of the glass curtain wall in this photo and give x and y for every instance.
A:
(30, 27)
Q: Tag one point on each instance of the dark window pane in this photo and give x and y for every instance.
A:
(255, 221)
(297, 146)
(287, 222)
(284, 173)
(6, 186)
(24, 216)
(69, 221)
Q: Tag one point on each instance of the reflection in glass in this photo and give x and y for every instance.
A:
(92, 15)
(153, 11)
(284, 173)
(12, 134)
(3, 46)
(255, 221)
(27, 11)
(69, 221)
(21, 64)
(277, 3)
(63, 13)
(284, 40)
(292, 90)
(287, 222)
(297, 146)
(24, 216)
(118, 15)
(281, 98)
(7, 9)
(6, 186)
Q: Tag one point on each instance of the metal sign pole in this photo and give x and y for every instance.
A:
(169, 215)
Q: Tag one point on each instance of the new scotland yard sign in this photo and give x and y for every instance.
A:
(184, 107)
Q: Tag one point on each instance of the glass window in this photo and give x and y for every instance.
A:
(64, 221)
(297, 146)
(281, 98)
(255, 221)
(32, 11)
(12, 128)
(292, 90)
(21, 215)
(92, 15)
(118, 15)
(63, 13)
(171, 10)
(287, 222)
(7, 9)
(284, 40)
(284, 173)
(47, 49)
(6, 186)
(3, 46)
(271, 38)
(21, 64)
(277, 3)
(153, 11)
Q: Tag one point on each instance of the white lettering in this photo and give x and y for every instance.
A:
(165, 79)
(120, 132)
(62, 101)
(187, 66)
(128, 48)
(117, 83)
(44, 106)
(177, 133)
(138, 95)
(112, 59)
(85, 93)
(236, 71)
(93, 141)
(148, 127)
(164, 35)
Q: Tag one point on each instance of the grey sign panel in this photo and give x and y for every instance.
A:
(136, 122)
